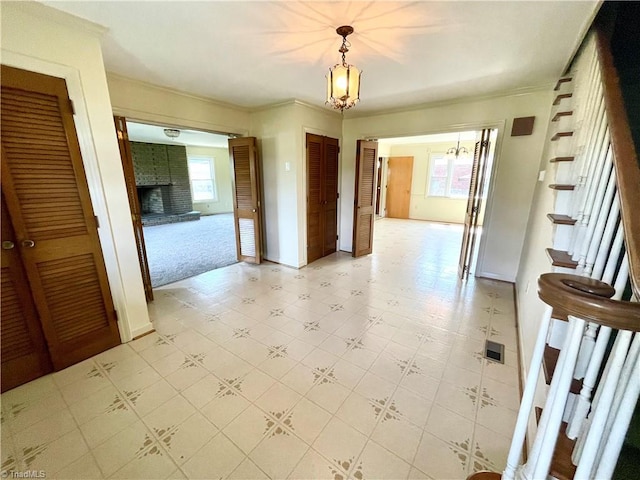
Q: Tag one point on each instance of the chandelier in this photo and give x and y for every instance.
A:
(172, 132)
(455, 152)
(343, 80)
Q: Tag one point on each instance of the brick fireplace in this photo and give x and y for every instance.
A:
(162, 181)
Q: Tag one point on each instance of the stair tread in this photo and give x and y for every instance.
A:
(561, 258)
(561, 466)
(561, 186)
(560, 135)
(562, 159)
(559, 219)
(559, 115)
(561, 81)
(549, 362)
(562, 96)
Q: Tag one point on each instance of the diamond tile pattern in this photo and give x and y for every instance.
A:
(348, 368)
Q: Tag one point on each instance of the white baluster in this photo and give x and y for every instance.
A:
(583, 401)
(584, 457)
(603, 252)
(620, 423)
(526, 404)
(542, 451)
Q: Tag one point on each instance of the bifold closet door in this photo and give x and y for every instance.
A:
(322, 196)
(47, 199)
(365, 197)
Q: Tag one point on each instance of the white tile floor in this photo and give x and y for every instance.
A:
(350, 368)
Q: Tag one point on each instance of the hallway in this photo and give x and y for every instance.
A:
(349, 368)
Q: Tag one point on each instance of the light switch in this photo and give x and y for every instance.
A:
(541, 175)
(287, 166)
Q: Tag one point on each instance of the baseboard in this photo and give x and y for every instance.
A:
(141, 331)
(493, 276)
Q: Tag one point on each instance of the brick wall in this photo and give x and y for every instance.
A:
(165, 166)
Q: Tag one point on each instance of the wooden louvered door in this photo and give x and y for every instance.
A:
(246, 198)
(24, 351)
(48, 200)
(322, 196)
(474, 202)
(134, 202)
(365, 197)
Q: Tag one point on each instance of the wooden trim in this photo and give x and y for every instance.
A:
(562, 159)
(561, 97)
(561, 81)
(559, 115)
(560, 186)
(625, 157)
(586, 298)
(561, 219)
(560, 258)
(560, 135)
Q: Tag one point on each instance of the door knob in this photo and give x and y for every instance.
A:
(254, 210)
(7, 245)
(28, 243)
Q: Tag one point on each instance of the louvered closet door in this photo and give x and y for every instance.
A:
(24, 351)
(134, 202)
(330, 187)
(365, 197)
(474, 202)
(47, 197)
(315, 194)
(246, 198)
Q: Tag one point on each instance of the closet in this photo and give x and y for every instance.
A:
(56, 303)
(322, 196)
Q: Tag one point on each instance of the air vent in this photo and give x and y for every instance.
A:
(494, 351)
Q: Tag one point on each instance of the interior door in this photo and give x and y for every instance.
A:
(322, 196)
(134, 202)
(246, 198)
(399, 177)
(24, 351)
(365, 197)
(474, 203)
(47, 198)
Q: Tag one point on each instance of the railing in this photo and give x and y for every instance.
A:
(597, 236)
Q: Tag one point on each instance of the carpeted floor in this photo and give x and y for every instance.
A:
(181, 250)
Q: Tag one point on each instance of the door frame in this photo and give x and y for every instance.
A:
(123, 289)
(500, 126)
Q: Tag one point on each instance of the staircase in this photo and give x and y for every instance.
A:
(587, 353)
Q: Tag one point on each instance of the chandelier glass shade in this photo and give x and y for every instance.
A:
(343, 80)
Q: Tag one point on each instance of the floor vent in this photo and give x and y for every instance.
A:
(494, 351)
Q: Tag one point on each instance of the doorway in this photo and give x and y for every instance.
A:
(182, 197)
(436, 188)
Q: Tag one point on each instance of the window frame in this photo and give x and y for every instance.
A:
(433, 156)
(212, 177)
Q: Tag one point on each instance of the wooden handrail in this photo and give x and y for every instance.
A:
(588, 299)
(625, 157)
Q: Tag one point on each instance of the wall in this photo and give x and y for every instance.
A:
(163, 106)
(44, 40)
(423, 207)
(222, 172)
(281, 137)
(515, 173)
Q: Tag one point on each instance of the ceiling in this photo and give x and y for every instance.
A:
(141, 132)
(254, 54)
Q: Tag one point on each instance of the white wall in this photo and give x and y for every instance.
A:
(515, 172)
(281, 134)
(223, 184)
(44, 40)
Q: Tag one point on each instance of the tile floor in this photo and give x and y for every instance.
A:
(349, 368)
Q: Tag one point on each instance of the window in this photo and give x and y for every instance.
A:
(449, 177)
(203, 181)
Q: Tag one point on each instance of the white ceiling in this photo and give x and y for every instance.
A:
(256, 53)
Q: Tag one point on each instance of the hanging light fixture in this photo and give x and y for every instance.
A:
(455, 152)
(343, 80)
